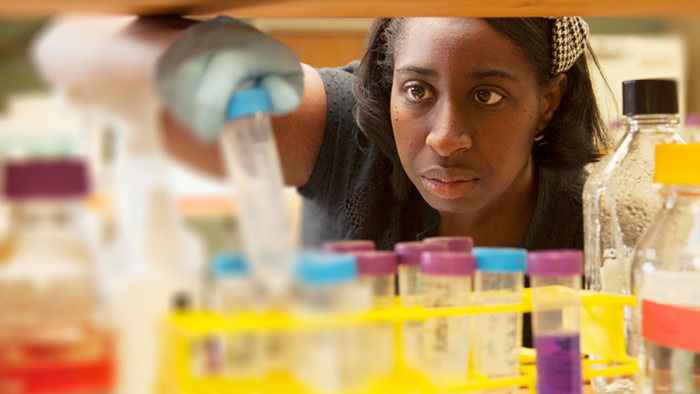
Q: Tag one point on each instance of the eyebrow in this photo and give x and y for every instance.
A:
(482, 74)
(478, 74)
(417, 70)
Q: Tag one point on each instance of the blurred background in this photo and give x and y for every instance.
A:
(36, 122)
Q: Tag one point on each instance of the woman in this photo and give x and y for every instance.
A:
(447, 126)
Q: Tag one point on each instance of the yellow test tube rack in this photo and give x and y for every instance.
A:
(601, 334)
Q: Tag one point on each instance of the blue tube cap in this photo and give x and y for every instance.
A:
(227, 264)
(247, 102)
(505, 260)
(325, 269)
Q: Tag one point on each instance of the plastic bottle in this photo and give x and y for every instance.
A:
(140, 296)
(348, 246)
(253, 162)
(447, 282)
(666, 275)
(238, 355)
(328, 360)
(53, 336)
(556, 319)
(377, 272)
(410, 277)
(453, 244)
(411, 294)
(499, 281)
(619, 199)
(233, 289)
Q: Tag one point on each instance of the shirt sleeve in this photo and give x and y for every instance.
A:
(339, 148)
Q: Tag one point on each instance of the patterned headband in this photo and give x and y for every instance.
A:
(570, 34)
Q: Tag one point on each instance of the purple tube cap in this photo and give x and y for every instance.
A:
(375, 263)
(46, 178)
(408, 253)
(447, 263)
(557, 262)
(348, 246)
(454, 244)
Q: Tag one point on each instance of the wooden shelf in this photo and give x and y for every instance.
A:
(356, 8)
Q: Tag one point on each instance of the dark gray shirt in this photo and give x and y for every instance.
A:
(349, 196)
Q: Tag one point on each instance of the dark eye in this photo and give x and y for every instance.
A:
(417, 93)
(487, 97)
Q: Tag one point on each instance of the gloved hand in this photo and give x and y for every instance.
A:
(211, 61)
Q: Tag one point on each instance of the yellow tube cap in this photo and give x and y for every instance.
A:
(677, 164)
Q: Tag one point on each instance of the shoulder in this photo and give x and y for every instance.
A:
(558, 219)
(347, 161)
(347, 70)
(339, 79)
(338, 83)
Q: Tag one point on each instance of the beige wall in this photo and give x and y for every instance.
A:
(326, 42)
(324, 49)
(690, 30)
(334, 42)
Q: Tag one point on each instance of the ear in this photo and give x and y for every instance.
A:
(550, 99)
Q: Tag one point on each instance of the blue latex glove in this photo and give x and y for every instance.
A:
(209, 62)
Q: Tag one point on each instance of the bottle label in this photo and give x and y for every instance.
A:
(671, 326)
(671, 309)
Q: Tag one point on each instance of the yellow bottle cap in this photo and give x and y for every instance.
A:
(677, 164)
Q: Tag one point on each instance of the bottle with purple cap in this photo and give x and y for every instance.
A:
(51, 336)
(411, 292)
(556, 319)
(447, 282)
(377, 273)
(410, 278)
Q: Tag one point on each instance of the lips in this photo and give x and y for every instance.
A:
(447, 183)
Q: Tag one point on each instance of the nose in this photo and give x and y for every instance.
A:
(448, 134)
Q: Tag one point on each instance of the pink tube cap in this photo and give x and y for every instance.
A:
(408, 253)
(46, 178)
(448, 263)
(375, 263)
(556, 262)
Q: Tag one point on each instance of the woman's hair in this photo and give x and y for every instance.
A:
(573, 138)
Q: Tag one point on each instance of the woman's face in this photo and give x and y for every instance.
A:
(465, 108)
